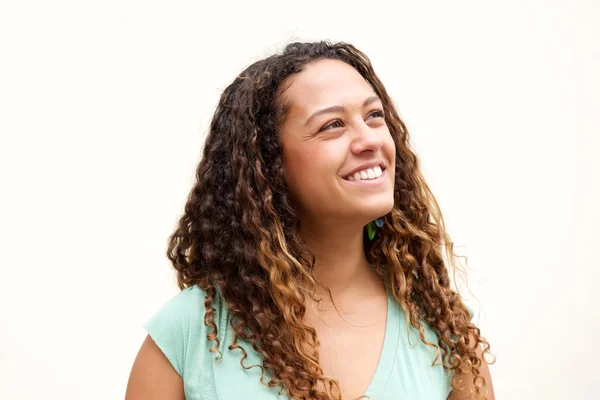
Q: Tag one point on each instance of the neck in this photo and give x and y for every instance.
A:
(340, 261)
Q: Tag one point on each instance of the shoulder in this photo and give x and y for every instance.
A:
(180, 309)
(470, 309)
(183, 303)
(179, 325)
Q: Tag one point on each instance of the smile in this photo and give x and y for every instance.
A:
(374, 182)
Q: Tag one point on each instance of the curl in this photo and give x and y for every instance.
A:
(239, 236)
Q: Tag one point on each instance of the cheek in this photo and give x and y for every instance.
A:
(389, 148)
(297, 169)
(309, 171)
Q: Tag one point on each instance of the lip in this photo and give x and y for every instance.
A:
(380, 180)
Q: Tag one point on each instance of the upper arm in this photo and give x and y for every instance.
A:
(484, 371)
(159, 369)
(152, 376)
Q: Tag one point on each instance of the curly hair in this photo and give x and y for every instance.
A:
(239, 235)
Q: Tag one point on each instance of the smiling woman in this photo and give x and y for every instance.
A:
(283, 292)
(322, 149)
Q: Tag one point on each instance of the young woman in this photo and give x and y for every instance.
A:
(309, 256)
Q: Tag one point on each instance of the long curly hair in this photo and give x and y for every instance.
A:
(239, 235)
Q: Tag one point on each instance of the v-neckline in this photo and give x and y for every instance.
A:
(389, 348)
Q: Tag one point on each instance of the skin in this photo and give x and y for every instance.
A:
(152, 376)
(485, 373)
(318, 153)
(319, 150)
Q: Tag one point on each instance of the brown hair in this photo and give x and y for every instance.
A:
(239, 235)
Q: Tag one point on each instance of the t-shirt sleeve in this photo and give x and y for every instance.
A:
(170, 327)
(471, 310)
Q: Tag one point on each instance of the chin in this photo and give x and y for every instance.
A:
(379, 208)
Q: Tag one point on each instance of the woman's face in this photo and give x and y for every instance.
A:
(335, 133)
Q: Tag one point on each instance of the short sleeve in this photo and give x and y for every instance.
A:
(170, 327)
(470, 309)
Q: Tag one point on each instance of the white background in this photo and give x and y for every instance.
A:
(105, 106)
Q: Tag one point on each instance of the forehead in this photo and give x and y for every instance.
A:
(325, 83)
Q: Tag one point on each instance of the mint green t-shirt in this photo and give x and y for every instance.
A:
(404, 370)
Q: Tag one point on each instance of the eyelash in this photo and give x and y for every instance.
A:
(327, 126)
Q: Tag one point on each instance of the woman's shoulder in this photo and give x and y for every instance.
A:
(182, 306)
(178, 325)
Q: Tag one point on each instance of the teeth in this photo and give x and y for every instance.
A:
(366, 174)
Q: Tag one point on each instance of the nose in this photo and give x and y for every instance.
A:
(366, 138)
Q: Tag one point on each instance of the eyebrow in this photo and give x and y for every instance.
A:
(333, 109)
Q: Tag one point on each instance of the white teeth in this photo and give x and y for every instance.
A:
(366, 174)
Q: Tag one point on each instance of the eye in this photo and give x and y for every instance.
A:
(330, 125)
(377, 114)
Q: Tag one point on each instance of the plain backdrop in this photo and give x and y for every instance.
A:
(104, 107)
